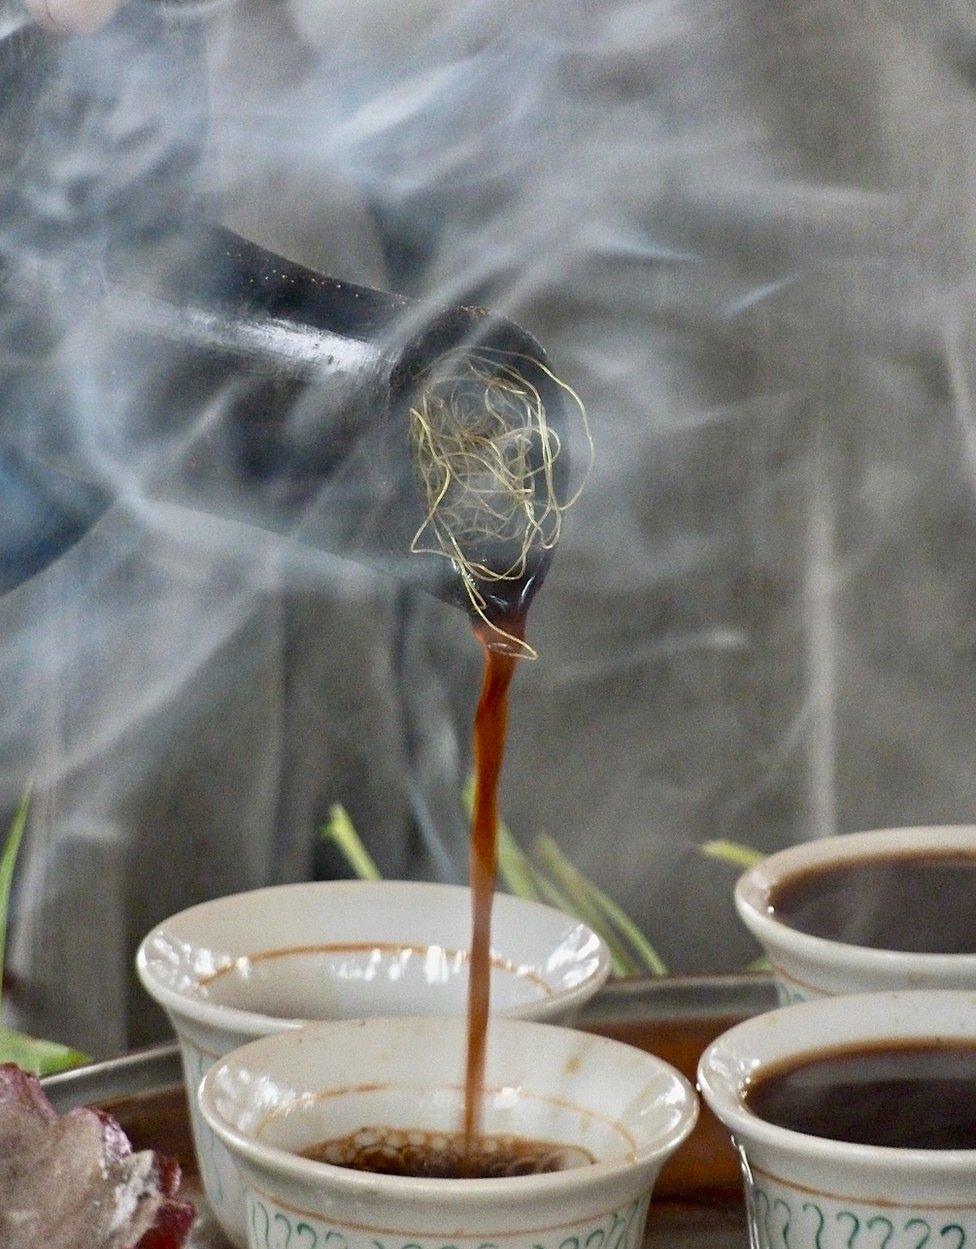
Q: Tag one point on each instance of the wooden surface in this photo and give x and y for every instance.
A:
(686, 1225)
(697, 1200)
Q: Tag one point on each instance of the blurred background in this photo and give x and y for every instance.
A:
(744, 232)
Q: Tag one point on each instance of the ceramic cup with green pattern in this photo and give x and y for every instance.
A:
(272, 1099)
(808, 966)
(806, 1192)
(259, 963)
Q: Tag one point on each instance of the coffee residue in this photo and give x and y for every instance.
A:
(446, 1156)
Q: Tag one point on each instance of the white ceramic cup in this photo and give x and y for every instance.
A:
(265, 962)
(805, 1192)
(266, 1101)
(806, 966)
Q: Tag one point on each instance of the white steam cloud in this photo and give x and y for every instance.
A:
(743, 231)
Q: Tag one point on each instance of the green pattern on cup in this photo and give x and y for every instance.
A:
(196, 1065)
(789, 994)
(270, 1228)
(787, 1222)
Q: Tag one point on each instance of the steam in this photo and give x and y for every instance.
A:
(743, 235)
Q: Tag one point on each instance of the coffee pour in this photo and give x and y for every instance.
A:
(162, 360)
(430, 445)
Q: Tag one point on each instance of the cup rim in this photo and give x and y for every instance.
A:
(255, 1024)
(753, 887)
(489, 1192)
(724, 1096)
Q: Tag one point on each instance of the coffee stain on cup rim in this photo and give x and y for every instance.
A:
(447, 953)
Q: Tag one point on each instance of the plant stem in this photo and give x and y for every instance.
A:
(600, 906)
(731, 852)
(8, 859)
(583, 902)
(513, 863)
(340, 830)
(43, 1058)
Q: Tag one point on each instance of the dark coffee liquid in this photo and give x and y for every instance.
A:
(920, 902)
(446, 1156)
(489, 747)
(911, 1095)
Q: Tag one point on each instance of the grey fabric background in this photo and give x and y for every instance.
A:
(745, 232)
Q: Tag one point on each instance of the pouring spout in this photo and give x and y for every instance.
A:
(246, 385)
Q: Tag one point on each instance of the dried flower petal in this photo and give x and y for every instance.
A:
(74, 1183)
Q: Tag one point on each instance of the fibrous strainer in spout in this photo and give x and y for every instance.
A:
(489, 448)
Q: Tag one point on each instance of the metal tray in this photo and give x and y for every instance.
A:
(697, 1202)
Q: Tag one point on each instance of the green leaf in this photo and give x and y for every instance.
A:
(732, 853)
(513, 863)
(572, 885)
(8, 859)
(606, 915)
(571, 904)
(550, 892)
(652, 960)
(340, 830)
(43, 1058)
(552, 878)
(515, 868)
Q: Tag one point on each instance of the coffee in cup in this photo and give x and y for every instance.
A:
(890, 909)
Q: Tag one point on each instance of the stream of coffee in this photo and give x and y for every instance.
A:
(489, 748)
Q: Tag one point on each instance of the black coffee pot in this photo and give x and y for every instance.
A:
(148, 351)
